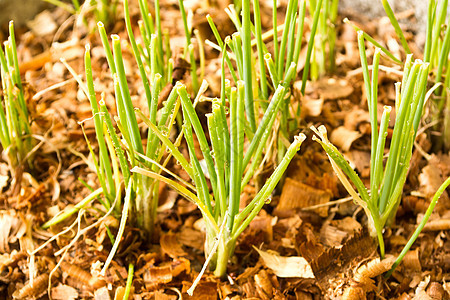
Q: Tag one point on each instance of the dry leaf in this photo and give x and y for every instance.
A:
(355, 117)
(420, 290)
(294, 266)
(170, 245)
(64, 292)
(331, 235)
(158, 275)
(191, 238)
(411, 261)
(102, 294)
(343, 138)
(347, 224)
(430, 180)
(436, 291)
(9, 228)
(3, 181)
(296, 194)
(312, 107)
(43, 24)
(331, 88)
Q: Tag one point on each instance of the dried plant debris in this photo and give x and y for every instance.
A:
(82, 277)
(296, 195)
(33, 289)
(333, 261)
(286, 266)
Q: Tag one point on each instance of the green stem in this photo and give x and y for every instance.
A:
(129, 284)
(373, 111)
(378, 160)
(105, 164)
(419, 228)
(244, 218)
(310, 46)
(194, 120)
(247, 64)
(394, 23)
(259, 45)
(67, 213)
(374, 42)
(130, 121)
(271, 110)
(235, 187)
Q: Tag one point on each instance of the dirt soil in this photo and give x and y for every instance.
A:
(310, 215)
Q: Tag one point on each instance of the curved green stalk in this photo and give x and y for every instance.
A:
(122, 224)
(287, 32)
(377, 165)
(244, 218)
(136, 53)
(271, 67)
(115, 140)
(374, 42)
(68, 212)
(172, 148)
(275, 30)
(235, 187)
(222, 46)
(219, 158)
(394, 22)
(199, 176)
(419, 228)
(271, 110)
(397, 136)
(298, 39)
(184, 192)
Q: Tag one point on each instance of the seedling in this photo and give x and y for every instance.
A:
(323, 57)
(437, 46)
(118, 153)
(254, 66)
(15, 133)
(386, 184)
(226, 164)
(74, 8)
(436, 50)
(189, 47)
(103, 10)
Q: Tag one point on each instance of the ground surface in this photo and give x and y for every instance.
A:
(309, 216)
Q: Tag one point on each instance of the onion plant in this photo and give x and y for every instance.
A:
(323, 56)
(15, 133)
(437, 48)
(104, 11)
(143, 190)
(189, 47)
(74, 8)
(394, 22)
(437, 42)
(386, 182)
(274, 62)
(227, 166)
(119, 152)
(436, 51)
